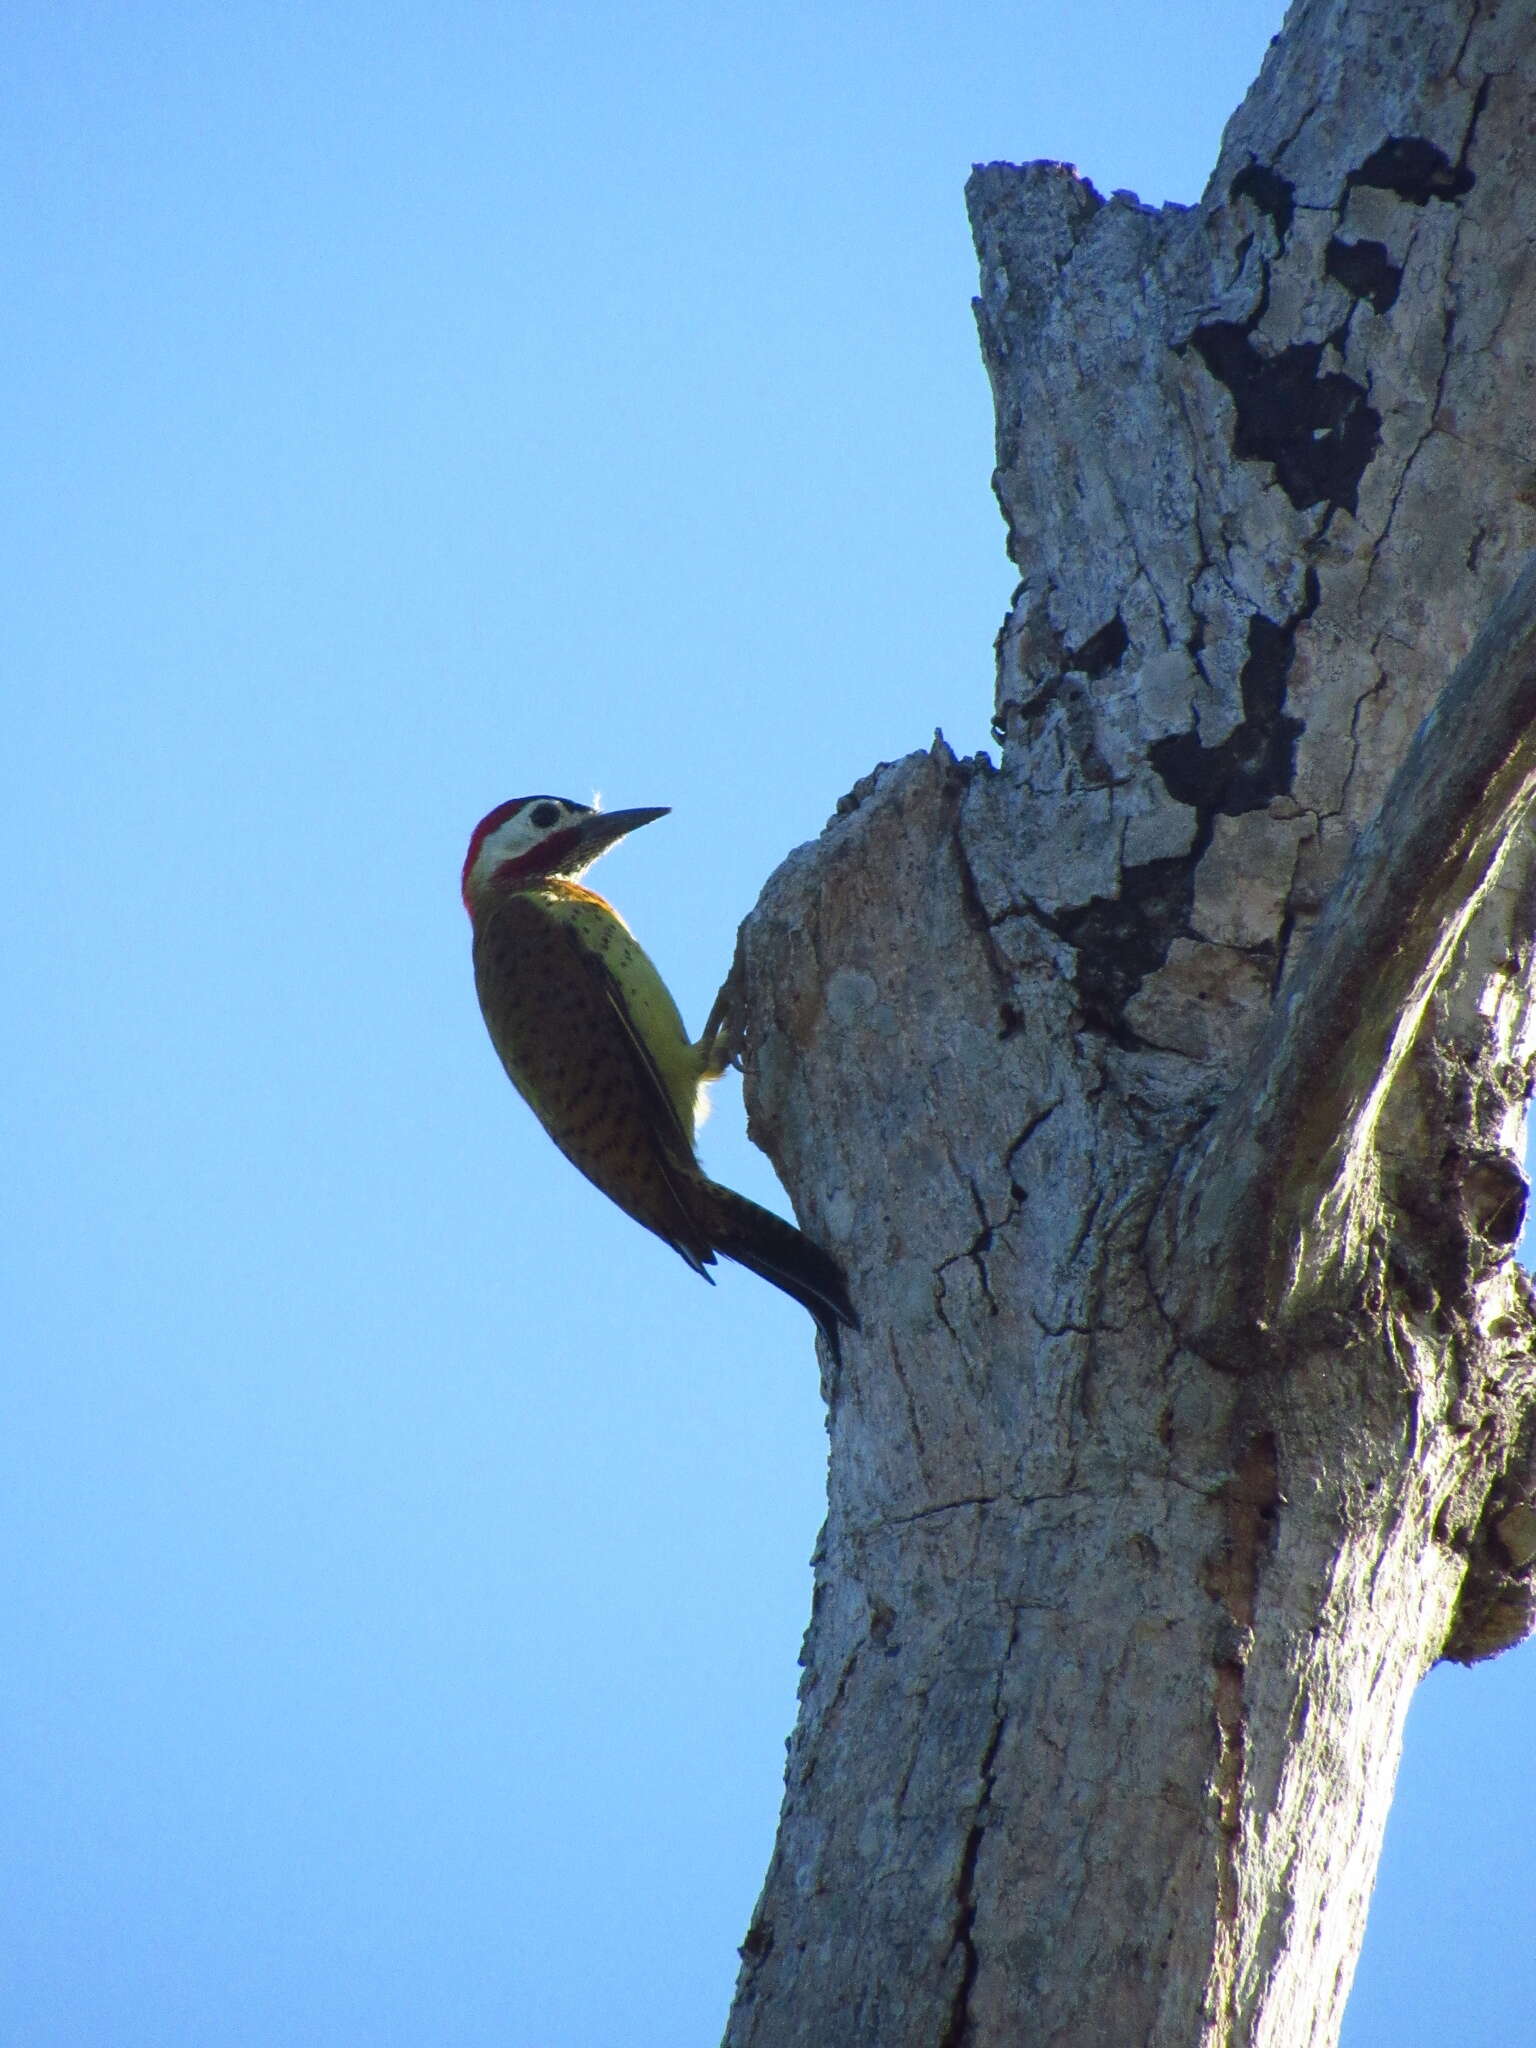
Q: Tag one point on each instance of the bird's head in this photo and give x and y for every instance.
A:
(534, 836)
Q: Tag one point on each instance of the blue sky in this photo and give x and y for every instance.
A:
(403, 1558)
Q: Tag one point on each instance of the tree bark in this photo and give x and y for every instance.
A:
(1163, 1089)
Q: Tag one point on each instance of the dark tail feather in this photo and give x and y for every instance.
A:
(773, 1249)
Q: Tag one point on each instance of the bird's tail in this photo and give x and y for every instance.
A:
(776, 1251)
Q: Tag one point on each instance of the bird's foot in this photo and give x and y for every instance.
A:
(724, 1036)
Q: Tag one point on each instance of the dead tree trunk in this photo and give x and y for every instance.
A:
(1163, 1089)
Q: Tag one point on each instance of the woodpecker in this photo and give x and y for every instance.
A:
(591, 1038)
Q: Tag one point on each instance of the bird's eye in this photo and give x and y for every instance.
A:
(545, 815)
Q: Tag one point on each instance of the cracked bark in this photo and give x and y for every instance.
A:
(1163, 1087)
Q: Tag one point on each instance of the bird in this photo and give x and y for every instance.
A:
(592, 1040)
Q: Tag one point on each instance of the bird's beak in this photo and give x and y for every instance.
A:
(598, 832)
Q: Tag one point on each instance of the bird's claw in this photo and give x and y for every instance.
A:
(724, 1038)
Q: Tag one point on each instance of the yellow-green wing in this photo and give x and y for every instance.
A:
(558, 1016)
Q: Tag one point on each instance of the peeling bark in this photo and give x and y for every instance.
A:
(1163, 1087)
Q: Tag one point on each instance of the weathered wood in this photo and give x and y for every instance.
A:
(1163, 1086)
(1292, 1146)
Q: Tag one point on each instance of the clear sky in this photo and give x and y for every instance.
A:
(403, 1557)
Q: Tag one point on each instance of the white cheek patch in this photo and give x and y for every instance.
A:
(515, 837)
(520, 835)
(505, 844)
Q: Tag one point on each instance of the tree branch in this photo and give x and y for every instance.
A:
(1291, 1142)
